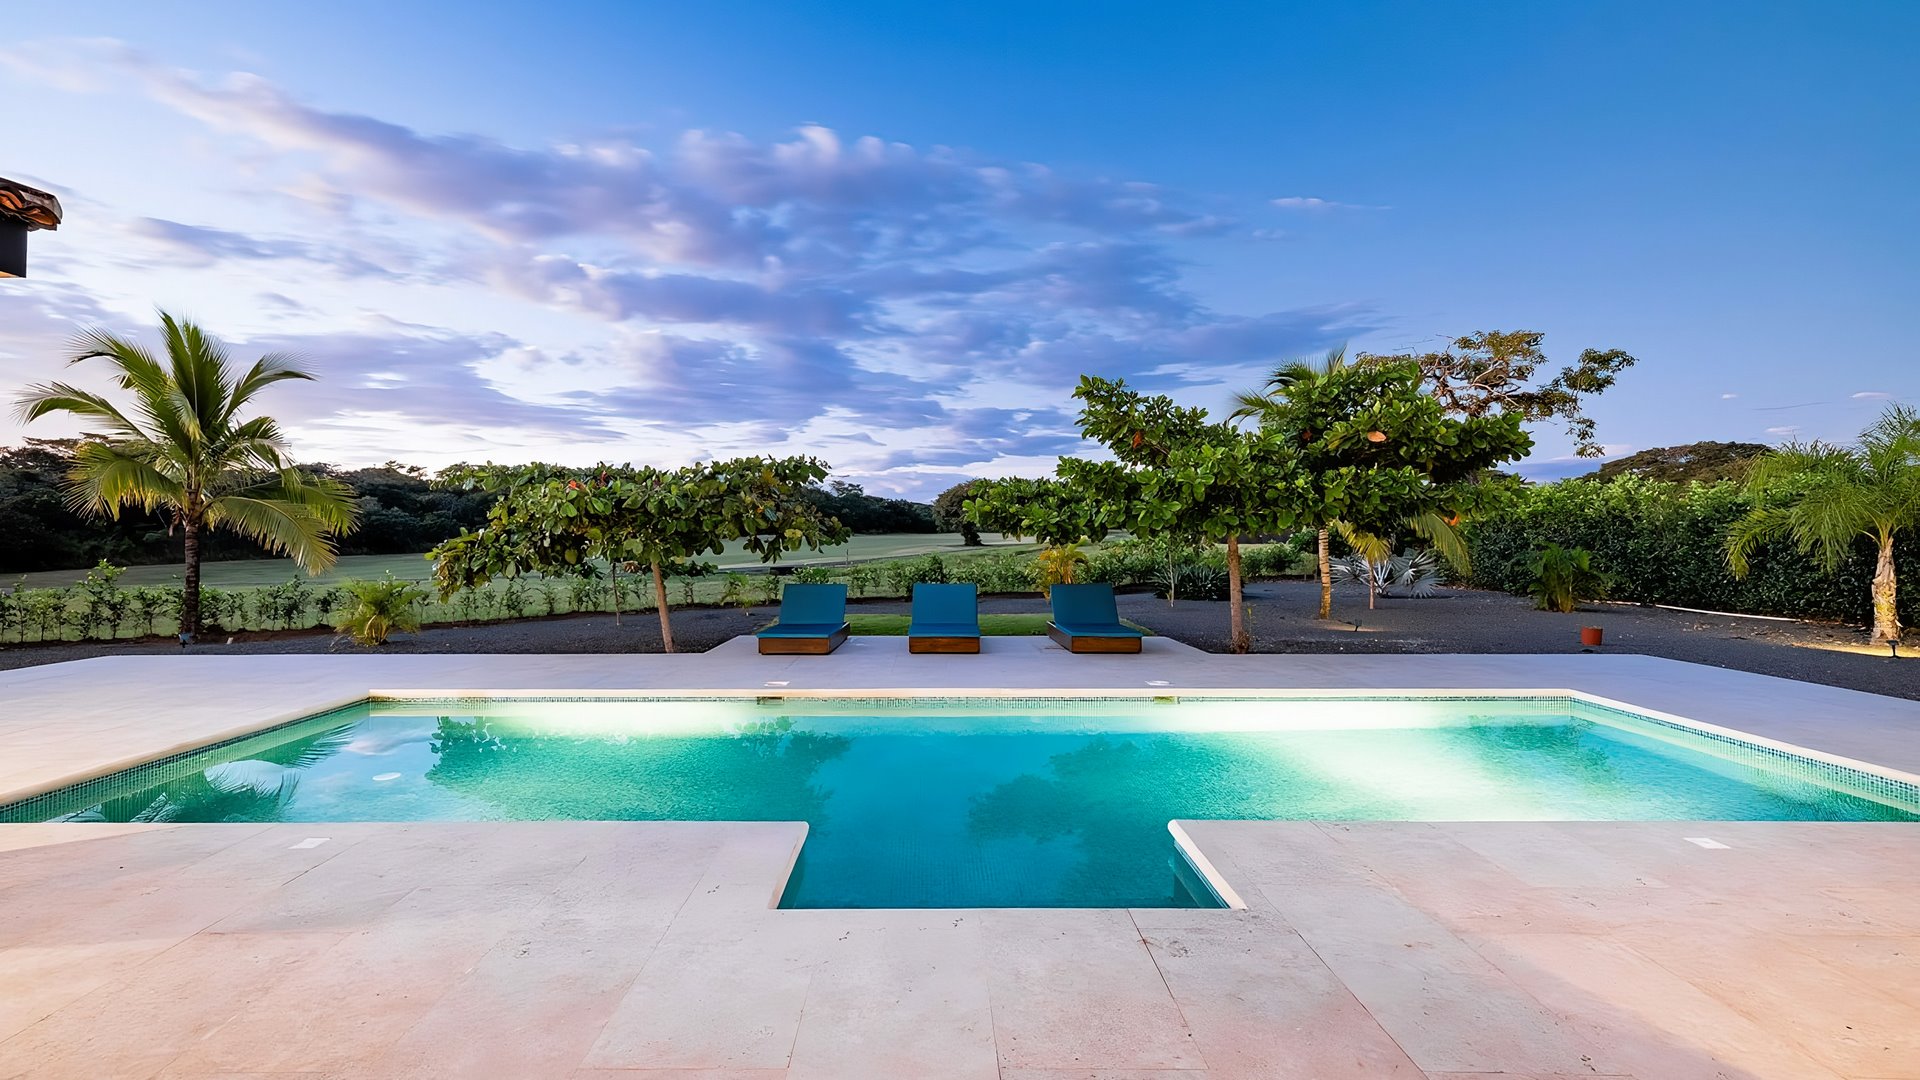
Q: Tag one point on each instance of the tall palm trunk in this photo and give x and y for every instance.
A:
(1241, 641)
(660, 599)
(1326, 574)
(190, 586)
(1886, 609)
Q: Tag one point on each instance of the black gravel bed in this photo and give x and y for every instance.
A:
(1455, 621)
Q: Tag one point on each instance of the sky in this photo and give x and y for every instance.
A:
(894, 235)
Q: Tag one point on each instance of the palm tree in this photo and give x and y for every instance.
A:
(1261, 405)
(1825, 498)
(183, 449)
(1264, 405)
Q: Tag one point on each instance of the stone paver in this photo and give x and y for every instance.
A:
(577, 950)
(650, 949)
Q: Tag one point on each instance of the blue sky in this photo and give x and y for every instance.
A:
(893, 235)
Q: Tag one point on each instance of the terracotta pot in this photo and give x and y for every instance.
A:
(1590, 636)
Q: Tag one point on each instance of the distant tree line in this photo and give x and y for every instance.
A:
(402, 511)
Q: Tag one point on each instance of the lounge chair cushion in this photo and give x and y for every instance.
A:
(813, 605)
(945, 611)
(1088, 611)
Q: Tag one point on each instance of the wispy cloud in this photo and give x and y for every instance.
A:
(1872, 395)
(920, 310)
(1313, 205)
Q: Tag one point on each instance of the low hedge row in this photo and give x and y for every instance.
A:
(1665, 543)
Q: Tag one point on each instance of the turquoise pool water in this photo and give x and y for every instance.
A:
(918, 804)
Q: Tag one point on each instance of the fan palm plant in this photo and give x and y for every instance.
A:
(181, 448)
(1825, 498)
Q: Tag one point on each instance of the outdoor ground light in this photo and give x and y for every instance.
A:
(22, 210)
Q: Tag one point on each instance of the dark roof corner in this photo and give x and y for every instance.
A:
(22, 205)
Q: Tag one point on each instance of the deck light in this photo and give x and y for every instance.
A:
(22, 210)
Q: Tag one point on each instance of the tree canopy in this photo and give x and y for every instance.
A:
(1364, 444)
(950, 512)
(1496, 371)
(1703, 461)
(552, 520)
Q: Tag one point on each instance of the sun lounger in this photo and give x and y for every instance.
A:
(1086, 620)
(813, 621)
(946, 619)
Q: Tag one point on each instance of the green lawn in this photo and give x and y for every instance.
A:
(240, 573)
(990, 625)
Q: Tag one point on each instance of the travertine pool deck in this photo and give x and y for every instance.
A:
(634, 949)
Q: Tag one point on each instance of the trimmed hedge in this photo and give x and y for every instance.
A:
(1664, 543)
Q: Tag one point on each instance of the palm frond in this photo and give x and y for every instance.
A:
(1370, 547)
(281, 527)
(49, 398)
(1760, 527)
(269, 369)
(1445, 538)
(108, 476)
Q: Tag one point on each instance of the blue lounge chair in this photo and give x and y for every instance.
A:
(946, 619)
(1086, 620)
(813, 621)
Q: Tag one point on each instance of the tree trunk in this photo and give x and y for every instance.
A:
(660, 597)
(1886, 609)
(1242, 642)
(190, 586)
(614, 565)
(1326, 575)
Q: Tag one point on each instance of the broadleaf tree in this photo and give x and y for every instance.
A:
(1364, 445)
(552, 520)
(1498, 371)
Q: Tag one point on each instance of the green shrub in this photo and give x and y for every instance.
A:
(813, 575)
(999, 573)
(1664, 543)
(103, 603)
(1562, 577)
(45, 610)
(738, 591)
(378, 609)
(903, 574)
(1191, 581)
(221, 610)
(326, 601)
(285, 603)
(861, 578)
(516, 598)
(768, 585)
(585, 594)
(1267, 561)
(1127, 562)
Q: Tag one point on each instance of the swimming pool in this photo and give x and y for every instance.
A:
(914, 802)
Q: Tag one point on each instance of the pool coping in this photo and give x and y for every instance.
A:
(1189, 850)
